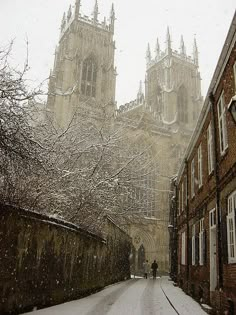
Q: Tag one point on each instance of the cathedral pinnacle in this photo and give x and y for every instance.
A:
(112, 18)
(148, 55)
(182, 47)
(63, 21)
(95, 12)
(168, 42)
(112, 15)
(77, 8)
(140, 90)
(140, 95)
(157, 50)
(195, 52)
(69, 13)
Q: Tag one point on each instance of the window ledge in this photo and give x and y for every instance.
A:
(200, 188)
(223, 154)
(210, 175)
(232, 262)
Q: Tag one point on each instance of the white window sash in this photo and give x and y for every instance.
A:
(192, 179)
(231, 231)
(201, 248)
(222, 125)
(200, 166)
(235, 76)
(210, 149)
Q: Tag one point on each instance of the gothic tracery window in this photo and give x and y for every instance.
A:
(89, 77)
(183, 105)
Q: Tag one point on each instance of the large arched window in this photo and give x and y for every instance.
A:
(183, 105)
(89, 77)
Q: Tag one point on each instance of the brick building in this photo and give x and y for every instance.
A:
(206, 194)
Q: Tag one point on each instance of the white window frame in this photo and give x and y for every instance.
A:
(201, 242)
(182, 196)
(231, 229)
(210, 149)
(234, 69)
(193, 245)
(212, 218)
(192, 179)
(199, 155)
(183, 249)
(222, 124)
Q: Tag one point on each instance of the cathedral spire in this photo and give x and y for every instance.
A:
(112, 18)
(140, 90)
(182, 47)
(95, 12)
(168, 42)
(69, 13)
(140, 95)
(195, 52)
(77, 8)
(148, 55)
(63, 22)
(157, 50)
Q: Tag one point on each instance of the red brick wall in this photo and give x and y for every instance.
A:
(205, 199)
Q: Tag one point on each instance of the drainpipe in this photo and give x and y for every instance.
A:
(187, 218)
(175, 236)
(217, 179)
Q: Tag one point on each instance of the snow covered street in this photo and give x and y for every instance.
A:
(132, 297)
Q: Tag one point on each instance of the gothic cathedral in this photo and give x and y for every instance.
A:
(84, 75)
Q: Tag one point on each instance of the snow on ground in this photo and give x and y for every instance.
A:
(132, 297)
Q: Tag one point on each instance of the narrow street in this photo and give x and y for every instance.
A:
(133, 297)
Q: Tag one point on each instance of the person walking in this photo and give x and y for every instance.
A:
(146, 268)
(154, 268)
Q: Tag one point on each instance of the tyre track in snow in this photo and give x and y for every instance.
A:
(169, 299)
(105, 304)
(155, 301)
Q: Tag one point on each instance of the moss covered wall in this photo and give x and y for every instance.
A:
(46, 261)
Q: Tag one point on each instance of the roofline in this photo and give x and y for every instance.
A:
(222, 61)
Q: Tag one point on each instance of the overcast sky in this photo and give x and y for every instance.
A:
(138, 22)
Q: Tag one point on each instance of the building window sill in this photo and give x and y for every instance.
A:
(224, 154)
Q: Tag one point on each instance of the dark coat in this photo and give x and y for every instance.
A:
(154, 266)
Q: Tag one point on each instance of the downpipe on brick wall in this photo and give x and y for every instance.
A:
(218, 210)
(187, 218)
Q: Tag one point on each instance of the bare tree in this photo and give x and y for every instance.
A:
(20, 153)
(81, 173)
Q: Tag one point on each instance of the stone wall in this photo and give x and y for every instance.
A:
(46, 261)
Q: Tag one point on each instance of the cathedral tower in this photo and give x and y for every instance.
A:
(83, 74)
(173, 84)
(164, 118)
